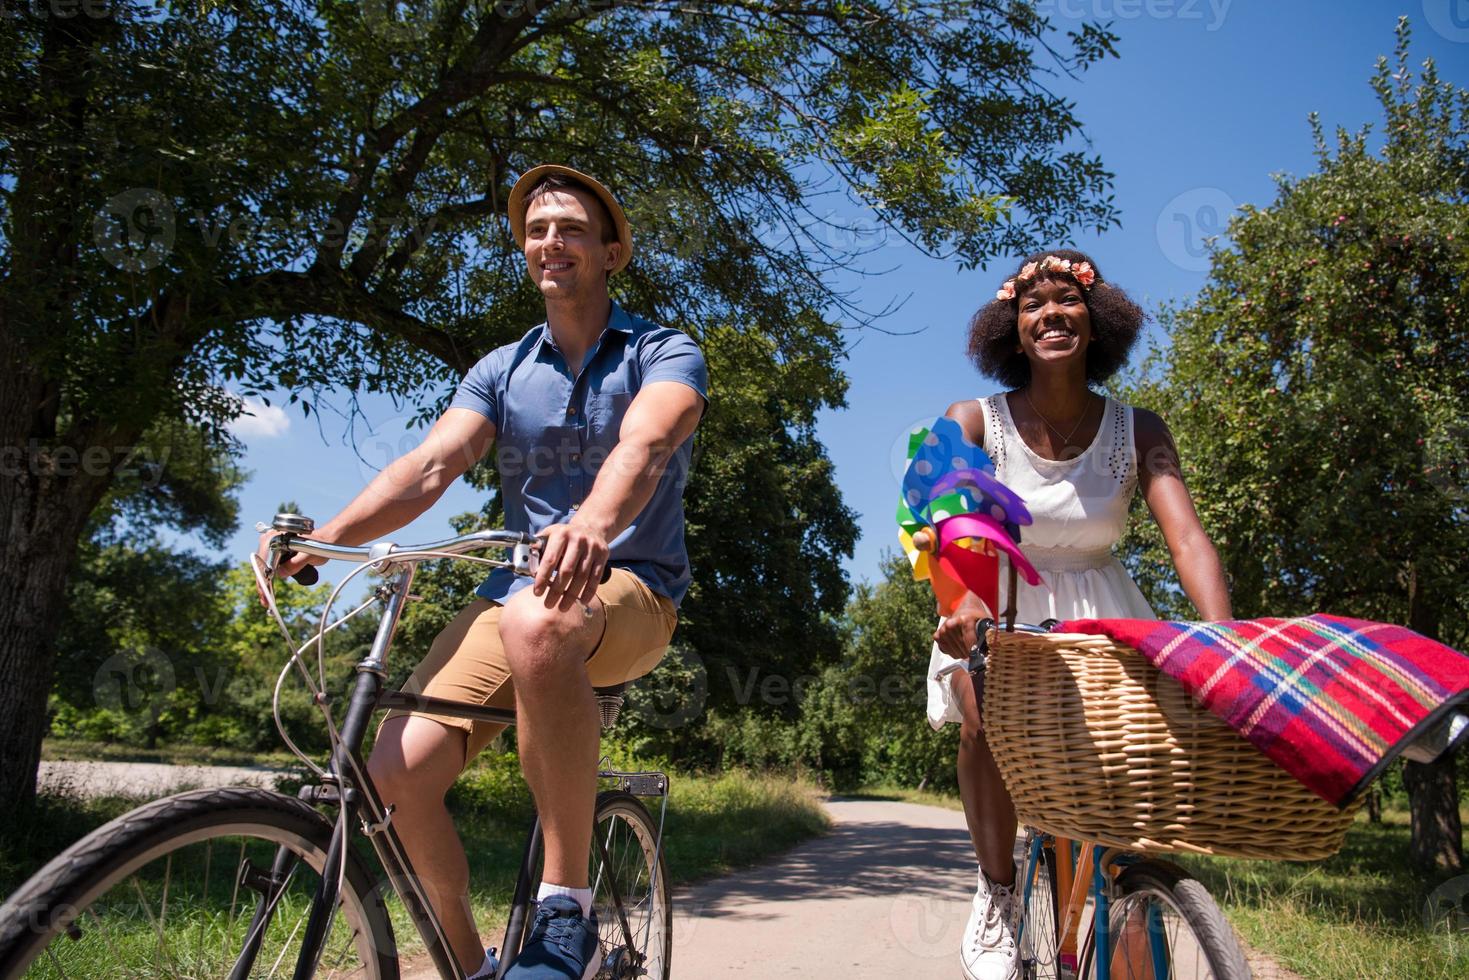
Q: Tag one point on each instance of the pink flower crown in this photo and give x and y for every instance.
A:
(1082, 272)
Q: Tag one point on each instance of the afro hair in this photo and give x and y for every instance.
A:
(994, 336)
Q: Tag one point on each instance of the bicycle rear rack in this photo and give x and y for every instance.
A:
(649, 783)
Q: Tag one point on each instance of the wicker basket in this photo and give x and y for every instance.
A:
(1096, 744)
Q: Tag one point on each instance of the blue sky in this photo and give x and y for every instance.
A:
(1207, 100)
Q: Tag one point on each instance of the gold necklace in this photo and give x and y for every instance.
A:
(1065, 439)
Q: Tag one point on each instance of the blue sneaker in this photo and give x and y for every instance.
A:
(562, 944)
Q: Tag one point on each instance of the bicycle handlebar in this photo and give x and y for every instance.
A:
(474, 541)
(523, 546)
(979, 653)
(288, 543)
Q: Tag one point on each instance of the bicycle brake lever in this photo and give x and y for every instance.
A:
(979, 653)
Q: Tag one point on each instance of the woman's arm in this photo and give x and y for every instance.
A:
(1161, 480)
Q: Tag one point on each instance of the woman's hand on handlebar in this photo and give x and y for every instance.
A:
(958, 634)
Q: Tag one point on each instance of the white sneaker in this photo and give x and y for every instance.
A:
(989, 951)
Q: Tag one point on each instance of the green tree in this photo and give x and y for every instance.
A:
(204, 200)
(134, 654)
(254, 653)
(1317, 387)
(891, 636)
(861, 720)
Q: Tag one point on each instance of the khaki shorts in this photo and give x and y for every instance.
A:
(467, 663)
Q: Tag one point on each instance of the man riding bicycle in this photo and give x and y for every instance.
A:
(593, 415)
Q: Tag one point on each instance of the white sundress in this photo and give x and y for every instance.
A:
(1079, 508)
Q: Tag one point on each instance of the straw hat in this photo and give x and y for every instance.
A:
(533, 176)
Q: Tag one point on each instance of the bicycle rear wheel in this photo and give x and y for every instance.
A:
(1039, 941)
(181, 886)
(629, 884)
(1164, 923)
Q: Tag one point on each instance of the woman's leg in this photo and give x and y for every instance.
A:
(987, 805)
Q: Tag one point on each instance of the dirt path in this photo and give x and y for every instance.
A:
(885, 894)
(148, 780)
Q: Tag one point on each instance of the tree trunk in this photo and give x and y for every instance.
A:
(47, 492)
(32, 595)
(1434, 800)
(1433, 790)
(54, 465)
(43, 533)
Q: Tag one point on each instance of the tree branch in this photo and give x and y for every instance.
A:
(283, 295)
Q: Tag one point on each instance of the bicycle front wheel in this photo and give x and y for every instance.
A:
(212, 883)
(1039, 942)
(630, 891)
(1164, 923)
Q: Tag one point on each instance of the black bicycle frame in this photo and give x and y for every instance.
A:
(348, 786)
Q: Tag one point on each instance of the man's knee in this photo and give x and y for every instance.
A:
(415, 759)
(542, 641)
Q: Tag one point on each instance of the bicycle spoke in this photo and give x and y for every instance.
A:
(102, 931)
(275, 899)
(235, 895)
(163, 903)
(346, 950)
(204, 897)
(628, 893)
(300, 920)
(157, 926)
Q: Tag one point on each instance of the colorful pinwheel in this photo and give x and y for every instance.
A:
(950, 490)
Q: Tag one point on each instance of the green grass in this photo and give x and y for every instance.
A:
(902, 794)
(719, 823)
(715, 823)
(1357, 914)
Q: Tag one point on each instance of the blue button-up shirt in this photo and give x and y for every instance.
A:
(555, 427)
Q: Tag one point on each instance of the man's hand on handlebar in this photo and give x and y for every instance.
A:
(573, 563)
(958, 634)
(289, 565)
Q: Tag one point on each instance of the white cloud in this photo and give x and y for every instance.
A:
(258, 420)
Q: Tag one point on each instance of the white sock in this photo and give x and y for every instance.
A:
(583, 896)
(487, 968)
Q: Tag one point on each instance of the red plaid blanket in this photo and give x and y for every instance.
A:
(1331, 700)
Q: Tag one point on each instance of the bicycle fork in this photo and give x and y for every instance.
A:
(271, 885)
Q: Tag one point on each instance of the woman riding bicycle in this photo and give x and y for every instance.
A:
(1054, 329)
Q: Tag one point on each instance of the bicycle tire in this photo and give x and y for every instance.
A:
(90, 911)
(1039, 943)
(1193, 930)
(630, 837)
